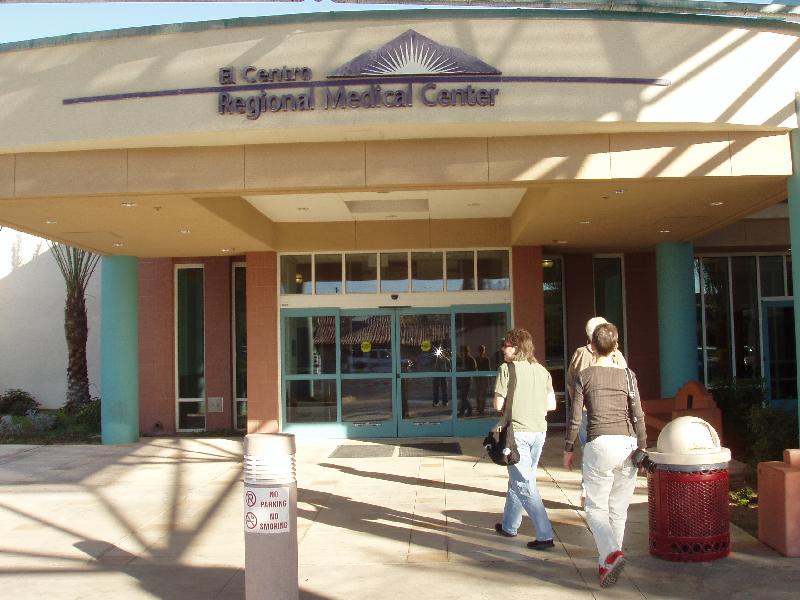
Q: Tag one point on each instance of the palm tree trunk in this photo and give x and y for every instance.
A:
(76, 332)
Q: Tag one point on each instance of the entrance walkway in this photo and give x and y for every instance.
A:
(162, 519)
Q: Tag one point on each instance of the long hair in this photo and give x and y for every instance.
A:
(522, 340)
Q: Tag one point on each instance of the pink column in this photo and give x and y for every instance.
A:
(263, 347)
(527, 282)
(218, 353)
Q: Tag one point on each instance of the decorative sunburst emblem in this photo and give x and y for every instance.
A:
(408, 59)
(412, 53)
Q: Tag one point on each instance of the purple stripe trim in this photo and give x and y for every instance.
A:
(365, 81)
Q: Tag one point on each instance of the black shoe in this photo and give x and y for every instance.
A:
(541, 544)
(436, 403)
(498, 527)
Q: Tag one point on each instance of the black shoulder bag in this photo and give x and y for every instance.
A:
(499, 442)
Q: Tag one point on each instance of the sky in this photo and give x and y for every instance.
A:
(19, 21)
(31, 21)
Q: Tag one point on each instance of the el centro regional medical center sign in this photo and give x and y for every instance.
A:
(266, 509)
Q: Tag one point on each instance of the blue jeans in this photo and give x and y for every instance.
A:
(522, 490)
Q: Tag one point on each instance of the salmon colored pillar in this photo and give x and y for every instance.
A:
(263, 347)
(218, 352)
(527, 280)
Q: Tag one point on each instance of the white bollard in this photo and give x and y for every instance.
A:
(270, 517)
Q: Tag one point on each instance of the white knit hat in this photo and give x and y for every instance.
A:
(592, 324)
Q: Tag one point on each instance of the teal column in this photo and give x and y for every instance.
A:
(677, 318)
(794, 233)
(119, 349)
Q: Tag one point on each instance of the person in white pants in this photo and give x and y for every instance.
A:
(615, 429)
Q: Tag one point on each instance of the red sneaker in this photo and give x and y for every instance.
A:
(609, 573)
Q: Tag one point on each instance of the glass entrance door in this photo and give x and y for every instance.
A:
(780, 365)
(386, 372)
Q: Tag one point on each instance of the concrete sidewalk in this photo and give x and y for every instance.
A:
(163, 519)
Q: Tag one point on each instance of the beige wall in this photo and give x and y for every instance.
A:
(720, 77)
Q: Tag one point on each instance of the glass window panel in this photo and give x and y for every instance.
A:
(366, 344)
(328, 273)
(460, 271)
(745, 317)
(781, 352)
(701, 366)
(426, 272)
(771, 275)
(361, 271)
(394, 272)
(366, 400)
(311, 401)
(789, 283)
(493, 273)
(425, 398)
(553, 284)
(191, 415)
(481, 334)
(425, 342)
(715, 287)
(309, 345)
(296, 274)
(191, 356)
(608, 292)
(240, 329)
(241, 414)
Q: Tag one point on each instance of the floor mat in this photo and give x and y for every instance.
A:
(431, 449)
(363, 451)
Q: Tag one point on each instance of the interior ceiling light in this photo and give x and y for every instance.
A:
(716, 203)
(619, 191)
(362, 207)
(664, 231)
(129, 204)
(185, 231)
(548, 263)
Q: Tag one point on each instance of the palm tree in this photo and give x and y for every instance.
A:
(77, 267)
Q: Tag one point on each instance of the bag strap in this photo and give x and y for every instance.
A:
(631, 396)
(512, 374)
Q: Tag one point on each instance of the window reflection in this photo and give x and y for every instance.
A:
(309, 345)
(715, 290)
(478, 339)
(361, 271)
(425, 342)
(493, 272)
(745, 316)
(394, 272)
(366, 344)
(426, 272)
(460, 271)
(771, 275)
(609, 296)
(310, 401)
(328, 273)
(296, 274)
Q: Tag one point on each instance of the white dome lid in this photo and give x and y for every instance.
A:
(689, 441)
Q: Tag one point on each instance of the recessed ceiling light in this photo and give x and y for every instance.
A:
(619, 191)
(129, 204)
(226, 249)
(716, 203)
(185, 231)
(118, 244)
(560, 241)
(584, 222)
(50, 222)
(302, 208)
(664, 231)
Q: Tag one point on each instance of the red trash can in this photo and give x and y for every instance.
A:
(687, 493)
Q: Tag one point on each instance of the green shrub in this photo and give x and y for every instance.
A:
(773, 430)
(41, 421)
(736, 400)
(88, 416)
(10, 427)
(17, 402)
(744, 496)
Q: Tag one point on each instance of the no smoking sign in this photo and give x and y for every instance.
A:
(266, 510)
